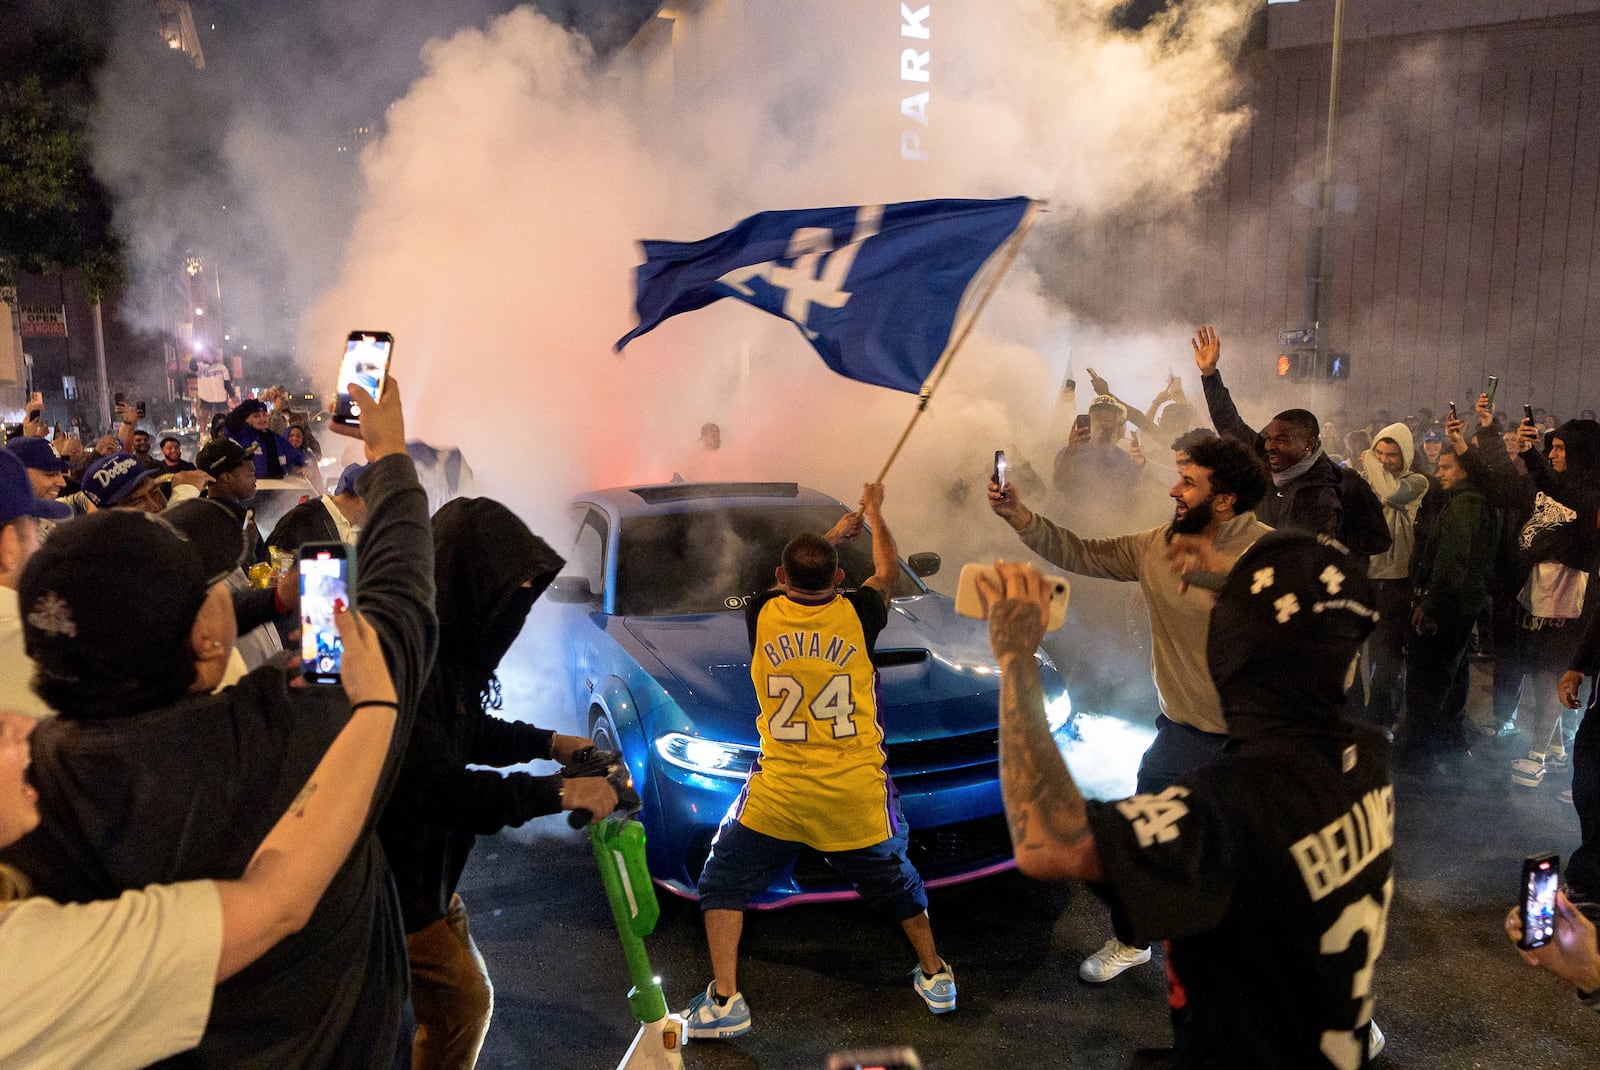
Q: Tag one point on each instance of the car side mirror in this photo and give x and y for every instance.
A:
(571, 590)
(924, 564)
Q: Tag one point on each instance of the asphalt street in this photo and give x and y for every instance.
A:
(1450, 991)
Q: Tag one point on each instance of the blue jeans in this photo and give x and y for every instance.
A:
(1177, 751)
(744, 861)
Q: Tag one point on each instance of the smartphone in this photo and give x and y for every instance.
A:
(1453, 415)
(1133, 439)
(1494, 384)
(1527, 413)
(1000, 467)
(874, 1059)
(1541, 875)
(327, 577)
(967, 603)
(366, 361)
(1081, 424)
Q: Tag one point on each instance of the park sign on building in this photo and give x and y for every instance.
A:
(44, 321)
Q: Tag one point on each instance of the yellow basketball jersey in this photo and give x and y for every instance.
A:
(820, 779)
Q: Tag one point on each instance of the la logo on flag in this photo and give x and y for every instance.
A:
(875, 289)
(818, 272)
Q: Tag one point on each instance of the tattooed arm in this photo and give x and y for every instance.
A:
(1049, 822)
(294, 865)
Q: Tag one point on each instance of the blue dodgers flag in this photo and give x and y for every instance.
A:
(874, 289)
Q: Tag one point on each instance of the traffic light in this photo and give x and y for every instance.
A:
(1306, 365)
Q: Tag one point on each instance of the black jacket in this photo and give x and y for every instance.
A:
(255, 550)
(1310, 502)
(189, 791)
(483, 555)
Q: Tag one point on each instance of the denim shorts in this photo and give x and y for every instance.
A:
(743, 863)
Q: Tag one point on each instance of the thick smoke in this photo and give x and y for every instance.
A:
(240, 163)
(502, 206)
(496, 217)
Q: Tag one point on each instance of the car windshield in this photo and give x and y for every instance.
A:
(709, 560)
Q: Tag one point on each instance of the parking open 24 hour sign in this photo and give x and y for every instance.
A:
(44, 321)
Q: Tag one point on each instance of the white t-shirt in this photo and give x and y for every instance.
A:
(16, 668)
(116, 983)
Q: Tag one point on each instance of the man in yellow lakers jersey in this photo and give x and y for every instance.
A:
(820, 781)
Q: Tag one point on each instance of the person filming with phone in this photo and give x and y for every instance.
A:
(1219, 483)
(147, 777)
(1268, 871)
(1571, 954)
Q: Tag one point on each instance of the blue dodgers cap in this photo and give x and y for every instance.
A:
(347, 479)
(37, 454)
(16, 493)
(111, 479)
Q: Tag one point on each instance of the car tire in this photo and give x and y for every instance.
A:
(602, 731)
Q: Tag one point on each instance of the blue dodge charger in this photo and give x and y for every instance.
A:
(652, 601)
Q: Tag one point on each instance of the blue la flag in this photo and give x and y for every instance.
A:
(874, 289)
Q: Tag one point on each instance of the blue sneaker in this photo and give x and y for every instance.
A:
(938, 991)
(706, 1019)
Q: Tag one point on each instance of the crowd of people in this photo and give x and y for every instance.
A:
(1447, 543)
(202, 854)
(180, 811)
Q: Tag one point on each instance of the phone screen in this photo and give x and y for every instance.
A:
(1000, 467)
(1081, 423)
(324, 587)
(366, 361)
(1494, 384)
(1540, 878)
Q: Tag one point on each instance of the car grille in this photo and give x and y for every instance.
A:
(945, 752)
(935, 852)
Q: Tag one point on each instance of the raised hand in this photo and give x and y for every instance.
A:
(1207, 350)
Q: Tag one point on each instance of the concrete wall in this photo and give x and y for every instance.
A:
(1474, 243)
(1310, 22)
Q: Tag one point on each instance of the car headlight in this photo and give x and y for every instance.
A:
(1058, 711)
(707, 756)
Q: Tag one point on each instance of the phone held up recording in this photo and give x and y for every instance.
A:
(1000, 468)
(327, 577)
(1541, 876)
(366, 361)
(968, 604)
(1494, 384)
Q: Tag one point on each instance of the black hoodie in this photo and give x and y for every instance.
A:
(483, 556)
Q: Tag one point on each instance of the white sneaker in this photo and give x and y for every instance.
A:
(1111, 960)
(1375, 1040)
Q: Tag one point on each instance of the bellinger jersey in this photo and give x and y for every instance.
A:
(1270, 873)
(820, 778)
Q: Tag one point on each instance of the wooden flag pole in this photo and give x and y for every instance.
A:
(939, 369)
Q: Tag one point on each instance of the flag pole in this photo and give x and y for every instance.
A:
(936, 376)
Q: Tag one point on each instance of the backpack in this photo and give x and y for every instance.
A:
(1363, 528)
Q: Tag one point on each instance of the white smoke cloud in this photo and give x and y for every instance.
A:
(502, 206)
(493, 225)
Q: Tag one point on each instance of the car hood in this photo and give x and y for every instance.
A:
(927, 658)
